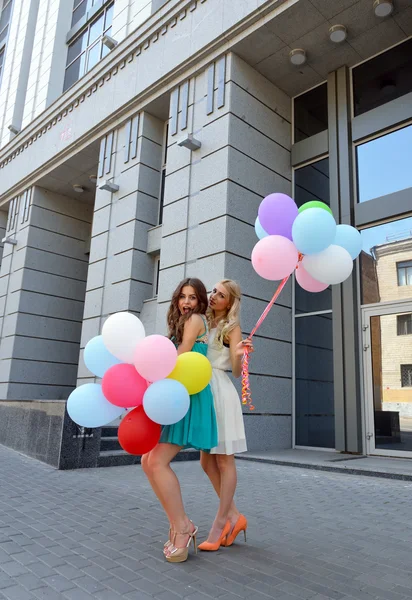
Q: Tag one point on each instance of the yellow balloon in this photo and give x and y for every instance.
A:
(193, 370)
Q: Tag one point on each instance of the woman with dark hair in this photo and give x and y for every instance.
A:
(188, 329)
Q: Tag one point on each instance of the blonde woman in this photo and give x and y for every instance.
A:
(225, 351)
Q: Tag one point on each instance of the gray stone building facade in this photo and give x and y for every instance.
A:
(105, 208)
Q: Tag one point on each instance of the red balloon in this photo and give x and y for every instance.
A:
(137, 433)
(123, 386)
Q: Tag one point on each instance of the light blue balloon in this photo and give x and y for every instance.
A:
(89, 408)
(260, 232)
(166, 401)
(313, 230)
(97, 358)
(349, 238)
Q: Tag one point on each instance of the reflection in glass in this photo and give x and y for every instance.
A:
(93, 55)
(392, 383)
(96, 29)
(311, 113)
(314, 404)
(312, 183)
(386, 262)
(384, 78)
(383, 165)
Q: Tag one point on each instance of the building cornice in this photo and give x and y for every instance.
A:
(137, 43)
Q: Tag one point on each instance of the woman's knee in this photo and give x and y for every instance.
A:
(145, 462)
(225, 462)
(207, 462)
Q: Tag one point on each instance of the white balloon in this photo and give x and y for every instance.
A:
(121, 334)
(333, 265)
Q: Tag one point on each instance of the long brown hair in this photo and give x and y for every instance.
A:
(175, 320)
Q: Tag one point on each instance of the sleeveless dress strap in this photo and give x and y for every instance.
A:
(202, 335)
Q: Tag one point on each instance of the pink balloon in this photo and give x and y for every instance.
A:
(307, 282)
(123, 386)
(155, 357)
(274, 257)
(277, 213)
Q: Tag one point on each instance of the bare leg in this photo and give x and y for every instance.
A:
(166, 486)
(221, 467)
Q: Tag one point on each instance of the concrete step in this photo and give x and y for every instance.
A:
(117, 458)
(109, 443)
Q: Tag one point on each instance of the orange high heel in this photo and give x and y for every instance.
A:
(240, 525)
(213, 546)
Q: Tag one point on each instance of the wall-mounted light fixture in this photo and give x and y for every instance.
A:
(93, 178)
(297, 57)
(190, 143)
(109, 42)
(9, 240)
(79, 189)
(109, 186)
(13, 129)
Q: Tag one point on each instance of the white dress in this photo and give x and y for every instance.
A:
(228, 408)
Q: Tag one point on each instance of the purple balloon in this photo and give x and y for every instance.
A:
(277, 213)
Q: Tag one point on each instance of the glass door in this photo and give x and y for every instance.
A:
(387, 346)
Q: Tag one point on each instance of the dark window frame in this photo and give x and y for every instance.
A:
(404, 324)
(406, 374)
(407, 267)
(102, 9)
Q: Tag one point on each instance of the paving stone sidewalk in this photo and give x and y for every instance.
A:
(97, 534)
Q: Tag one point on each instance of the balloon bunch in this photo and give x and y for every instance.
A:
(303, 240)
(140, 373)
(307, 240)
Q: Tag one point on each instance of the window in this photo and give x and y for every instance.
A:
(163, 175)
(386, 262)
(404, 270)
(5, 20)
(80, 8)
(406, 375)
(1, 61)
(312, 183)
(314, 391)
(383, 165)
(384, 78)
(156, 276)
(87, 49)
(310, 113)
(404, 324)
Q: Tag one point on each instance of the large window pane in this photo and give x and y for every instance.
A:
(79, 12)
(109, 17)
(311, 113)
(383, 78)
(74, 72)
(386, 262)
(77, 47)
(314, 403)
(384, 165)
(312, 183)
(93, 55)
(96, 29)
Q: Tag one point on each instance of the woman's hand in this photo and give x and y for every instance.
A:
(241, 346)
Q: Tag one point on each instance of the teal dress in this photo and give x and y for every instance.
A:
(198, 428)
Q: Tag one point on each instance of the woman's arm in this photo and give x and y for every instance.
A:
(237, 347)
(193, 327)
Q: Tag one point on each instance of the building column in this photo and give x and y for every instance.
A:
(121, 273)
(42, 281)
(211, 201)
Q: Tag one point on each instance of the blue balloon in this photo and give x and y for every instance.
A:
(260, 232)
(166, 401)
(349, 238)
(97, 358)
(313, 230)
(88, 407)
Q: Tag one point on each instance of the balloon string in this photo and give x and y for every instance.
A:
(246, 393)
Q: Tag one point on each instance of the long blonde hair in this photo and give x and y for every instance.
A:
(232, 317)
